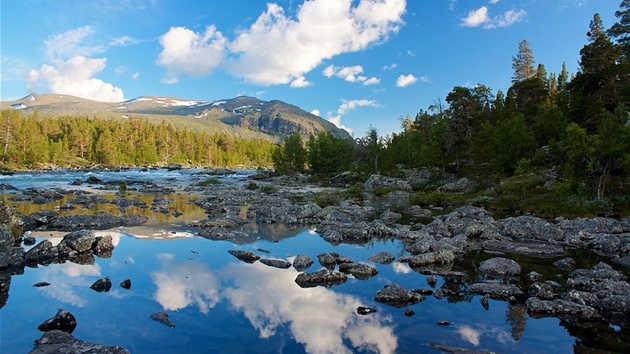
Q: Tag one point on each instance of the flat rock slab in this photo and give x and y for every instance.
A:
(532, 249)
(358, 270)
(396, 296)
(276, 263)
(561, 308)
(382, 257)
(56, 342)
(495, 290)
(323, 277)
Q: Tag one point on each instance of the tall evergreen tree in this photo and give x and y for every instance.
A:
(523, 62)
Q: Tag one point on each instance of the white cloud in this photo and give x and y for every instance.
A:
(345, 107)
(277, 49)
(70, 43)
(354, 104)
(494, 1)
(190, 53)
(70, 71)
(315, 112)
(75, 77)
(300, 82)
(476, 17)
(135, 75)
(372, 81)
(350, 74)
(406, 80)
(390, 67)
(123, 41)
(481, 16)
(469, 334)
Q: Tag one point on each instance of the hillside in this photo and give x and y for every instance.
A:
(242, 116)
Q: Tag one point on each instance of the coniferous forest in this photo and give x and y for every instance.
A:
(552, 143)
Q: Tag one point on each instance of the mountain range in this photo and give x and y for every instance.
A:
(243, 116)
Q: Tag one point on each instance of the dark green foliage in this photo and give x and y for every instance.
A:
(290, 157)
(33, 141)
(328, 154)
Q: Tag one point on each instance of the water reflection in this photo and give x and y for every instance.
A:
(68, 279)
(180, 285)
(322, 320)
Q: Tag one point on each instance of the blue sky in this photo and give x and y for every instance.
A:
(358, 63)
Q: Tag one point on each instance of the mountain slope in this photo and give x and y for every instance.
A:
(243, 116)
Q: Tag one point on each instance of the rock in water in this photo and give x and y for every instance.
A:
(382, 257)
(163, 318)
(302, 262)
(395, 295)
(56, 341)
(40, 284)
(125, 284)
(500, 267)
(245, 256)
(323, 277)
(102, 285)
(277, 263)
(63, 321)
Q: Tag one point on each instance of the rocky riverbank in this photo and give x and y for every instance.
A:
(435, 242)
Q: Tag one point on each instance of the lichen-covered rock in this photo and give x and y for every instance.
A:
(437, 257)
(541, 290)
(11, 257)
(41, 252)
(80, 241)
(378, 181)
(530, 228)
(103, 246)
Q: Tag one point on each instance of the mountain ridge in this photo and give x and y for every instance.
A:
(244, 116)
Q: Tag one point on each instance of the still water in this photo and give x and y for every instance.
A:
(222, 305)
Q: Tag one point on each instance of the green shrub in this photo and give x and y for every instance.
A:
(209, 181)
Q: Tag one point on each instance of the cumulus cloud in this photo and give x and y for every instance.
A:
(345, 107)
(406, 80)
(75, 77)
(191, 53)
(300, 82)
(315, 112)
(70, 70)
(350, 74)
(277, 48)
(481, 16)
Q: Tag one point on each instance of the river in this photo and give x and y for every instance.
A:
(222, 305)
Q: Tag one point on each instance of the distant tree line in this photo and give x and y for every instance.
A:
(31, 141)
(574, 127)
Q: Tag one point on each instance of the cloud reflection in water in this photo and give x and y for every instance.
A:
(269, 298)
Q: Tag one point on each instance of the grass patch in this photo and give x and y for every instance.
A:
(209, 182)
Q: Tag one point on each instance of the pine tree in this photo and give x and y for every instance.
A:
(523, 63)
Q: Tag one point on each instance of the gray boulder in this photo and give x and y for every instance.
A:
(276, 263)
(496, 290)
(358, 270)
(322, 277)
(396, 296)
(163, 318)
(80, 241)
(561, 308)
(541, 290)
(378, 181)
(382, 257)
(500, 266)
(302, 262)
